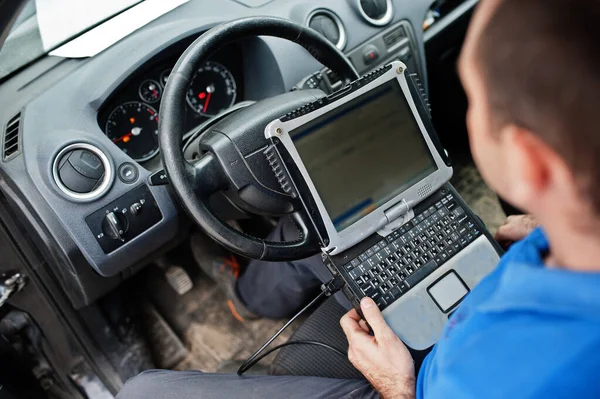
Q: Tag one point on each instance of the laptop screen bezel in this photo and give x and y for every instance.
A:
(338, 241)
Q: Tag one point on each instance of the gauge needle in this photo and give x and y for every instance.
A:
(210, 89)
(125, 138)
(207, 101)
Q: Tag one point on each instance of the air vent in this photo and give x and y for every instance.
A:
(12, 142)
(376, 12)
(394, 37)
(329, 25)
(424, 190)
(82, 171)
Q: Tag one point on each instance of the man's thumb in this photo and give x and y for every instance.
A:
(373, 315)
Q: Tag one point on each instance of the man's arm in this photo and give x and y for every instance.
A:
(382, 357)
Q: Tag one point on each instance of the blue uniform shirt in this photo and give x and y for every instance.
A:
(526, 331)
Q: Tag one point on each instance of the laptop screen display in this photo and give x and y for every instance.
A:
(364, 153)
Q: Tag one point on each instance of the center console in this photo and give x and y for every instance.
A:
(395, 43)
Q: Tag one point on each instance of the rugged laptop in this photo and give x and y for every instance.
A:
(371, 173)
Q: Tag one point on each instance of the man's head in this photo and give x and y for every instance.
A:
(531, 70)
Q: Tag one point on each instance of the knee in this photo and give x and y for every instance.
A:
(148, 384)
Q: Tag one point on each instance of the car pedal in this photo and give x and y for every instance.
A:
(165, 345)
(178, 279)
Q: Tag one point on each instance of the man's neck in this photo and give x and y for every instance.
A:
(573, 247)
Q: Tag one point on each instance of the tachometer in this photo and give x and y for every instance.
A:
(150, 91)
(212, 89)
(133, 127)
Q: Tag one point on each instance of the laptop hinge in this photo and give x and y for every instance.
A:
(397, 211)
(397, 216)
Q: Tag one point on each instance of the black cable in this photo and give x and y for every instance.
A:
(250, 362)
(267, 353)
(327, 290)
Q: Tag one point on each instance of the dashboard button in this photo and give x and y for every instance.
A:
(159, 178)
(128, 173)
(135, 209)
(370, 54)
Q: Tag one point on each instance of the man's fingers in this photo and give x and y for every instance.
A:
(364, 326)
(504, 233)
(516, 227)
(374, 317)
(349, 323)
(511, 232)
(353, 314)
(357, 334)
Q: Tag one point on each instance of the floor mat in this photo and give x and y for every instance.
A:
(204, 323)
(478, 195)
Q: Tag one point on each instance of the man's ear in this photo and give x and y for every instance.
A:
(528, 163)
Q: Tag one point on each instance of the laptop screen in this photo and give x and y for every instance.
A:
(364, 153)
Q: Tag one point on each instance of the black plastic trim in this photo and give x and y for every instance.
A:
(300, 187)
(422, 108)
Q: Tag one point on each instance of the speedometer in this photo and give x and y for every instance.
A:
(133, 127)
(212, 89)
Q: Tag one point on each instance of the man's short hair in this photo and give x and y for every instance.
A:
(540, 61)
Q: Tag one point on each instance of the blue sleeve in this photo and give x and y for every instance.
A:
(516, 355)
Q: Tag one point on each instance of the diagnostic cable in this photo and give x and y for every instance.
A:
(327, 289)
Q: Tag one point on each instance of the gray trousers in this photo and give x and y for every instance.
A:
(278, 290)
(156, 384)
(274, 290)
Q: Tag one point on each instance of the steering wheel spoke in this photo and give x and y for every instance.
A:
(206, 176)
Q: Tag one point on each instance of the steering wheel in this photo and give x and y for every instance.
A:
(232, 158)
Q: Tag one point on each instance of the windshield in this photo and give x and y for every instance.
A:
(44, 25)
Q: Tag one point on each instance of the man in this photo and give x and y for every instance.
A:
(531, 329)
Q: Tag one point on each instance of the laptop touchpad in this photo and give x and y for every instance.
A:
(448, 291)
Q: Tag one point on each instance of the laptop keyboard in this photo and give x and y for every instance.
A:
(397, 263)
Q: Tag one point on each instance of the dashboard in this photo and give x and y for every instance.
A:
(129, 118)
(80, 150)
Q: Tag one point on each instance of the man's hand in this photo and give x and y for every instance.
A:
(382, 358)
(515, 228)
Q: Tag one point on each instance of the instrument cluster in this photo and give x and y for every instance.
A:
(130, 117)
